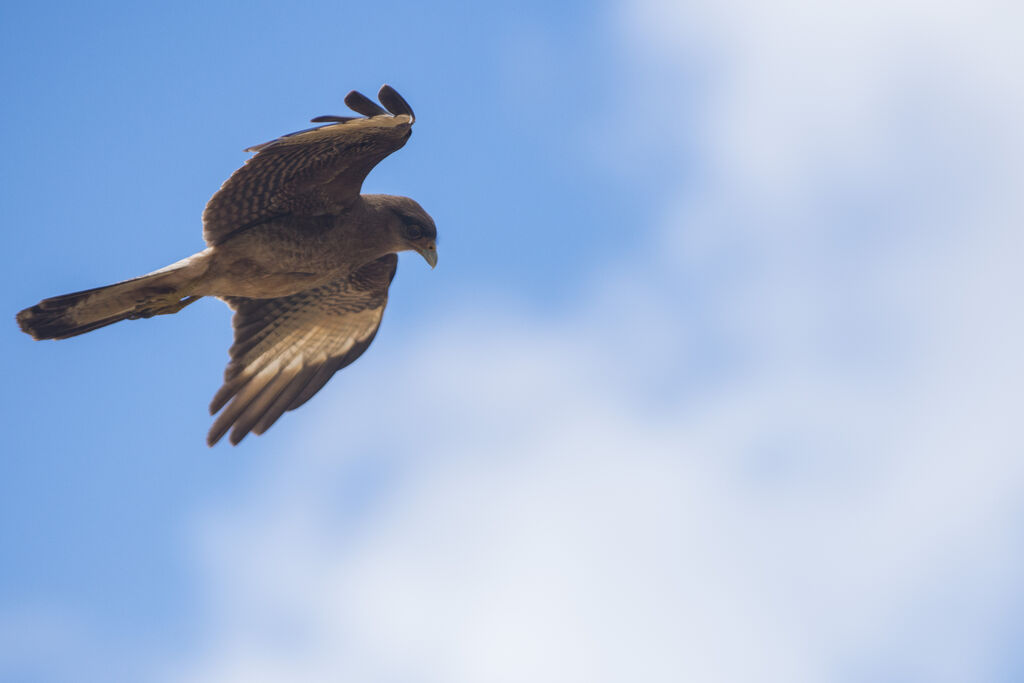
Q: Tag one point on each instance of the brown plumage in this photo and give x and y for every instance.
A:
(302, 257)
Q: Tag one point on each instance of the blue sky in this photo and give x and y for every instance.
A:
(717, 378)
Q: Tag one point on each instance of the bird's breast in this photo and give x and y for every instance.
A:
(282, 257)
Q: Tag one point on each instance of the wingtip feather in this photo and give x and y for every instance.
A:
(394, 102)
(361, 104)
(330, 118)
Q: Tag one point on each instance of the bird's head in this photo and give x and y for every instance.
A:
(412, 228)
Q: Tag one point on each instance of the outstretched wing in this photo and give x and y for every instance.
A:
(286, 349)
(312, 172)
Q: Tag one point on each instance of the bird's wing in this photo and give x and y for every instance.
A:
(287, 348)
(312, 172)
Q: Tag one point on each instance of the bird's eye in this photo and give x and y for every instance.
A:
(413, 232)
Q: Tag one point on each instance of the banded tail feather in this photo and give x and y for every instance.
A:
(69, 315)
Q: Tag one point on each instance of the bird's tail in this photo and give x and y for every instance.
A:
(160, 292)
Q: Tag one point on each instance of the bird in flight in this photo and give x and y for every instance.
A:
(303, 258)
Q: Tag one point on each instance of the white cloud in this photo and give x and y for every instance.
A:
(834, 497)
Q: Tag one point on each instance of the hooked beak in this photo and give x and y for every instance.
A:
(429, 254)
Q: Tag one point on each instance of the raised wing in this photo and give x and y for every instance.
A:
(312, 172)
(286, 349)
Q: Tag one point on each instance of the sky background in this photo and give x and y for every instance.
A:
(718, 377)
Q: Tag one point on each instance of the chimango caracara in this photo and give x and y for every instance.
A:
(302, 257)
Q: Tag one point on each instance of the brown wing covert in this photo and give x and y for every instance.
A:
(286, 349)
(311, 172)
